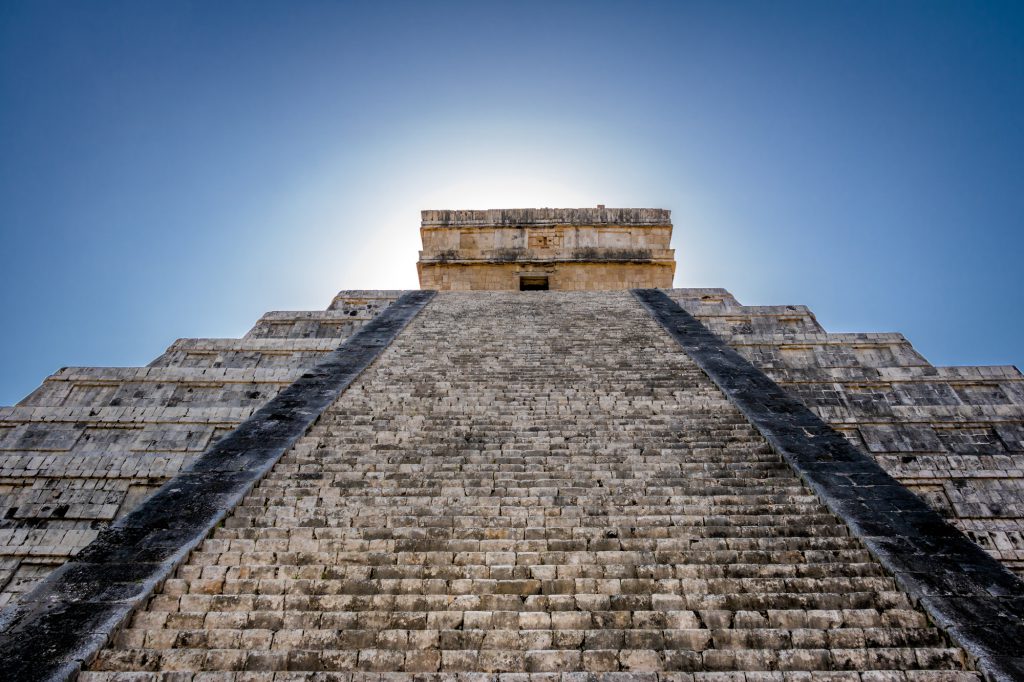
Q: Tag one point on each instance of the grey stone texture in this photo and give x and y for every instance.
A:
(91, 443)
(498, 217)
(62, 623)
(563, 249)
(531, 486)
(526, 486)
(976, 599)
(953, 435)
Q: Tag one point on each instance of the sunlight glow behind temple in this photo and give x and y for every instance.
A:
(173, 170)
(534, 163)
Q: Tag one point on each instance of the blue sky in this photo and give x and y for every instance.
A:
(173, 169)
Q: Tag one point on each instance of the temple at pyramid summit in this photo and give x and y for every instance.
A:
(545, 465)
(537, 249)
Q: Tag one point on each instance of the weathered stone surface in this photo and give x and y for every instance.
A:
(953, 435)
(91, 443)
(560, 249)
(501, 494)
(511, 217)
(976, 599)
(61, 624)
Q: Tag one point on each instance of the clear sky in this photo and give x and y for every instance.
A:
(173, 169)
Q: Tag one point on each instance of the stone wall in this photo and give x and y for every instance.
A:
(92, 442)
(584, 276)
(576, 249)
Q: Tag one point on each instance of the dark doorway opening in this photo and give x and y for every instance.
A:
(533, 284)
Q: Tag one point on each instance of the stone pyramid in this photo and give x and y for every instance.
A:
(545, 466)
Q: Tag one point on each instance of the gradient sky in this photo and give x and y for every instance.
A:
(173, 169)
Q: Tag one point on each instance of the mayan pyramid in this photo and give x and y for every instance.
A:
(546, 465)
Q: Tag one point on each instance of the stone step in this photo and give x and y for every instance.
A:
(159, 387)
(431, 659)
(277, 354)
(362, 676)
(574, 631)
(533, 586)
(665, 617)
(204, 562)
(310, 324)
(197, 603)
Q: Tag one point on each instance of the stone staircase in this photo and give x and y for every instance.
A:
(533, 482)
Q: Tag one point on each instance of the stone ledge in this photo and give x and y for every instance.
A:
(125, 416)
(325, 315)
(852, 339)
(740, 312)
(951, 416)
(250, 344)
(511, 217)
(191, 375)
(516, 259)
(895, 375)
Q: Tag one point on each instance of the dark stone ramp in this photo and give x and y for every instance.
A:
(978, 601)
(61, 625)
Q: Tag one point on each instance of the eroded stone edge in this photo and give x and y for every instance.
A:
(60, 626)
(969, 594)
